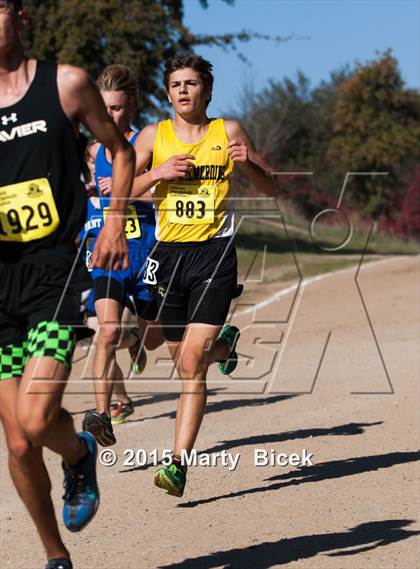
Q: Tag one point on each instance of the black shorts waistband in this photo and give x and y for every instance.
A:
(68, 251)
(189, 244)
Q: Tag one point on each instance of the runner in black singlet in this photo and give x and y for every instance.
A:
(42, 209)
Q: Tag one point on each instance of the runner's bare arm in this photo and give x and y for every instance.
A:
(82, 102)
(105, 184)
(172, 168)
(243, 152)
(143, 148)
(144, 154)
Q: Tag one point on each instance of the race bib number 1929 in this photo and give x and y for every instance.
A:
(27, 211)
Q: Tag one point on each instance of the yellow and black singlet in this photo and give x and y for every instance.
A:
(194, 208)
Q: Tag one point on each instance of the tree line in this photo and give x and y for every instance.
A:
(361, 119)
(141, 34)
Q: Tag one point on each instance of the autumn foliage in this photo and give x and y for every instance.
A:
(363, 120)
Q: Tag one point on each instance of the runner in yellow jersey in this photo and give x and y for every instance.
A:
(193, 267)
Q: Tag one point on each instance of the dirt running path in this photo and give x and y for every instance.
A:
(354, 508)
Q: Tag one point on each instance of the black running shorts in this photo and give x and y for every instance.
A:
(40, 289)
(193, 283)
(107, 287)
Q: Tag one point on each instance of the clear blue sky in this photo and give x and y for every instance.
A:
(327, 34)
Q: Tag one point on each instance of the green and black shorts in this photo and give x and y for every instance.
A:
(39, 310)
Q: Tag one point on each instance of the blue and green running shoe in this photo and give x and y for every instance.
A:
(230, 335)
(171, 478)
(81, 493)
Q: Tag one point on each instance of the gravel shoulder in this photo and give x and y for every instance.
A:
(326, 371)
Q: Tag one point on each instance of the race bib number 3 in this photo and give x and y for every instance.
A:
(150, 269)
(190, 205)
(27, 211)
(132, 225)
(89, 253)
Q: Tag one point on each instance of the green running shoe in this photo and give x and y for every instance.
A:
(138, 356)
(172, 479)
(121, 411)
(230, 335)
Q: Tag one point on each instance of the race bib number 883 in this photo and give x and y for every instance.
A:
(27, 211)
(190, 205)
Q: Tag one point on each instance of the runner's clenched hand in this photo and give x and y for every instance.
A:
(238, 150)
(105, 185)
(175, 167)
(111, 250)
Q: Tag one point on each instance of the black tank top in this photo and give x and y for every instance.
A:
(37, 140)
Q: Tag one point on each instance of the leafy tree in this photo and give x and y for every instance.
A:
(139, 33)
(275, 119)
(376, 129)
(292, 125)
(361, 120)
(409, 218)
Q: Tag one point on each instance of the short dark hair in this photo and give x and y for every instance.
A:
(16, 4)
(203, 67)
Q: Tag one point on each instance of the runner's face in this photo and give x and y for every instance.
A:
(187, 93)
(10, 25)
(119, 109)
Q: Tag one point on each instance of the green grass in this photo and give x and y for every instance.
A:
(279, 250)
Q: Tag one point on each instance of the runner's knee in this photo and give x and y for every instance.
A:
(191, 365)
(20, 449)
(35, 429)
(36, 424)
(18, 445)
(108, 335)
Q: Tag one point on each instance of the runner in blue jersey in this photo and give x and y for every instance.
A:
(113, 287)
(123, 406)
